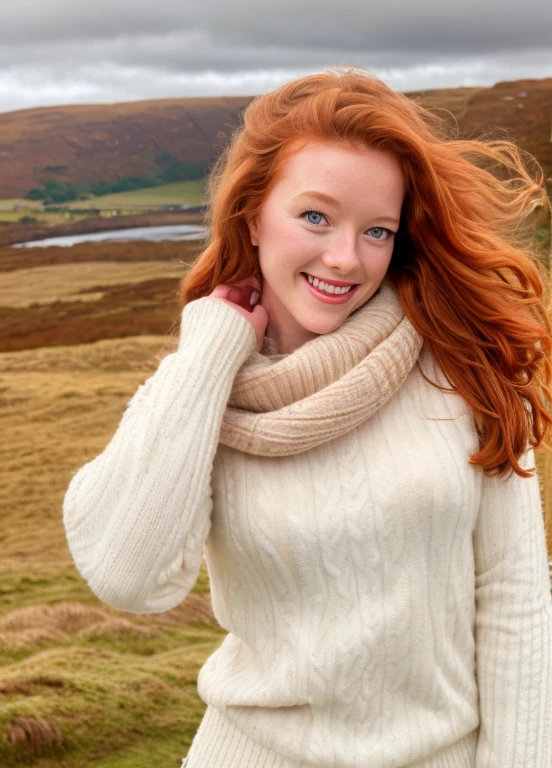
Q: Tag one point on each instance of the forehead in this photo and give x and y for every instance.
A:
(337, 162)
(302, 149)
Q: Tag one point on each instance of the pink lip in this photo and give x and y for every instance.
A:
(328, 298)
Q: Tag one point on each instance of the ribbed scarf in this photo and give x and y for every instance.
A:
(283, 404)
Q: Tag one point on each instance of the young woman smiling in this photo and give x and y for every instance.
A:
(357, 466)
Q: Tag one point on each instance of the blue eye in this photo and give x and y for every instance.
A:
(378, 233)
(380, 230)
(316, 213)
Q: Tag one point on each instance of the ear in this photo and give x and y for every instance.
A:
(253, 232)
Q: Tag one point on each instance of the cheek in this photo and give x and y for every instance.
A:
(272, 235)
(284, 243)
(379, 258)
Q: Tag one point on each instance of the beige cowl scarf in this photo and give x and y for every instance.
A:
(283, 404)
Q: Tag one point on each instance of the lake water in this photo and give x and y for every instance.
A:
(153, 234)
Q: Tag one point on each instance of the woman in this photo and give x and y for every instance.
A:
(356, 465)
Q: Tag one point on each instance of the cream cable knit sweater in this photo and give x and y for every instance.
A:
(387, 605)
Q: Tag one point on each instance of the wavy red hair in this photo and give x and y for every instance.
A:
(466, 278)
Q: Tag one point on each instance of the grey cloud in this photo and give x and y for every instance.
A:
(191, 52)
(350, 26)
(103, 81)
(66, 51)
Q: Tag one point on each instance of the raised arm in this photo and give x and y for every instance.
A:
(513, 624)
(137, 515)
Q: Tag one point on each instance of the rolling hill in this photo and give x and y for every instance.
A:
(89, 144)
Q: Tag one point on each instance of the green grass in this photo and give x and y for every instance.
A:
(7, 204)
(179, 193)
(120, 688)
(18, 590)
(159, 753)
(41, 217)
(10, 216)
(110, 696)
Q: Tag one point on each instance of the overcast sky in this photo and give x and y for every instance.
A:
(83, 51)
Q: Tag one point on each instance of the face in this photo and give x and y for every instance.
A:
(349, 238)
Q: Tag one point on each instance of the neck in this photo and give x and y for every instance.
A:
(286, 342)
(282, 329)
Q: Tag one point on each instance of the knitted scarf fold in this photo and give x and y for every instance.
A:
(285, 404)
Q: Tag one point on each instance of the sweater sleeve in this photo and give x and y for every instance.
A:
(513, 625)
(137, 515)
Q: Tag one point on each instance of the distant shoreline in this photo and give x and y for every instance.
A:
(151, 234)
(11, 234)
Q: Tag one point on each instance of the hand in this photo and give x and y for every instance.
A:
(242, 297)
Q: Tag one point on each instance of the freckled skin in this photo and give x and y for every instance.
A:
(345, 243)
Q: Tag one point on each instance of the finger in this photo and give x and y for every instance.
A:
(221, 291)
(235, 294)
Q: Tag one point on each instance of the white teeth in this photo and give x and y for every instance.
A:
(331, 289)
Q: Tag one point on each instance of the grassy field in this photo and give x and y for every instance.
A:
(77, 282)
(83, 685)
(38, 214)
(130, 203)
(10, 204)
(180, 193)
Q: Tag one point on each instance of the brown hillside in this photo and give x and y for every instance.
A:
(84, 144)
(522, 108)
(101, 142)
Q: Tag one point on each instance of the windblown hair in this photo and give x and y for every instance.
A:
(466, 278)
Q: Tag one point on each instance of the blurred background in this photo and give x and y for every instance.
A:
(111, 115)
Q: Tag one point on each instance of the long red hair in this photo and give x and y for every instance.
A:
(466, 279)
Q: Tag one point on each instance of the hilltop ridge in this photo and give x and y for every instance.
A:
(93, 143)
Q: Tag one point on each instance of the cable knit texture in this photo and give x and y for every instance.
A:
(387, 604)
(344, 378)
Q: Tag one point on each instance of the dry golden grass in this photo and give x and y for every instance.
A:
(60, 404)
(74, 282)
(59, 407)
(35, 624)
(82, 684)
(135, 353)
(7, 204)
(31, 735)
(117, 311)
(181, 252)
(543, 459)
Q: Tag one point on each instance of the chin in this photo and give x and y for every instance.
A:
(327, 325)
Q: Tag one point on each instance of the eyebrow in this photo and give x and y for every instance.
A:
(331, 201)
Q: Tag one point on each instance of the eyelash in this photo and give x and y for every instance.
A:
(390, 232)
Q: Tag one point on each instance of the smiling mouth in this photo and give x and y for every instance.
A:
(341, 297)
(339, 289)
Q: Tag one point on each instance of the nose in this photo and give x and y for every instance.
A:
(342, 256)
